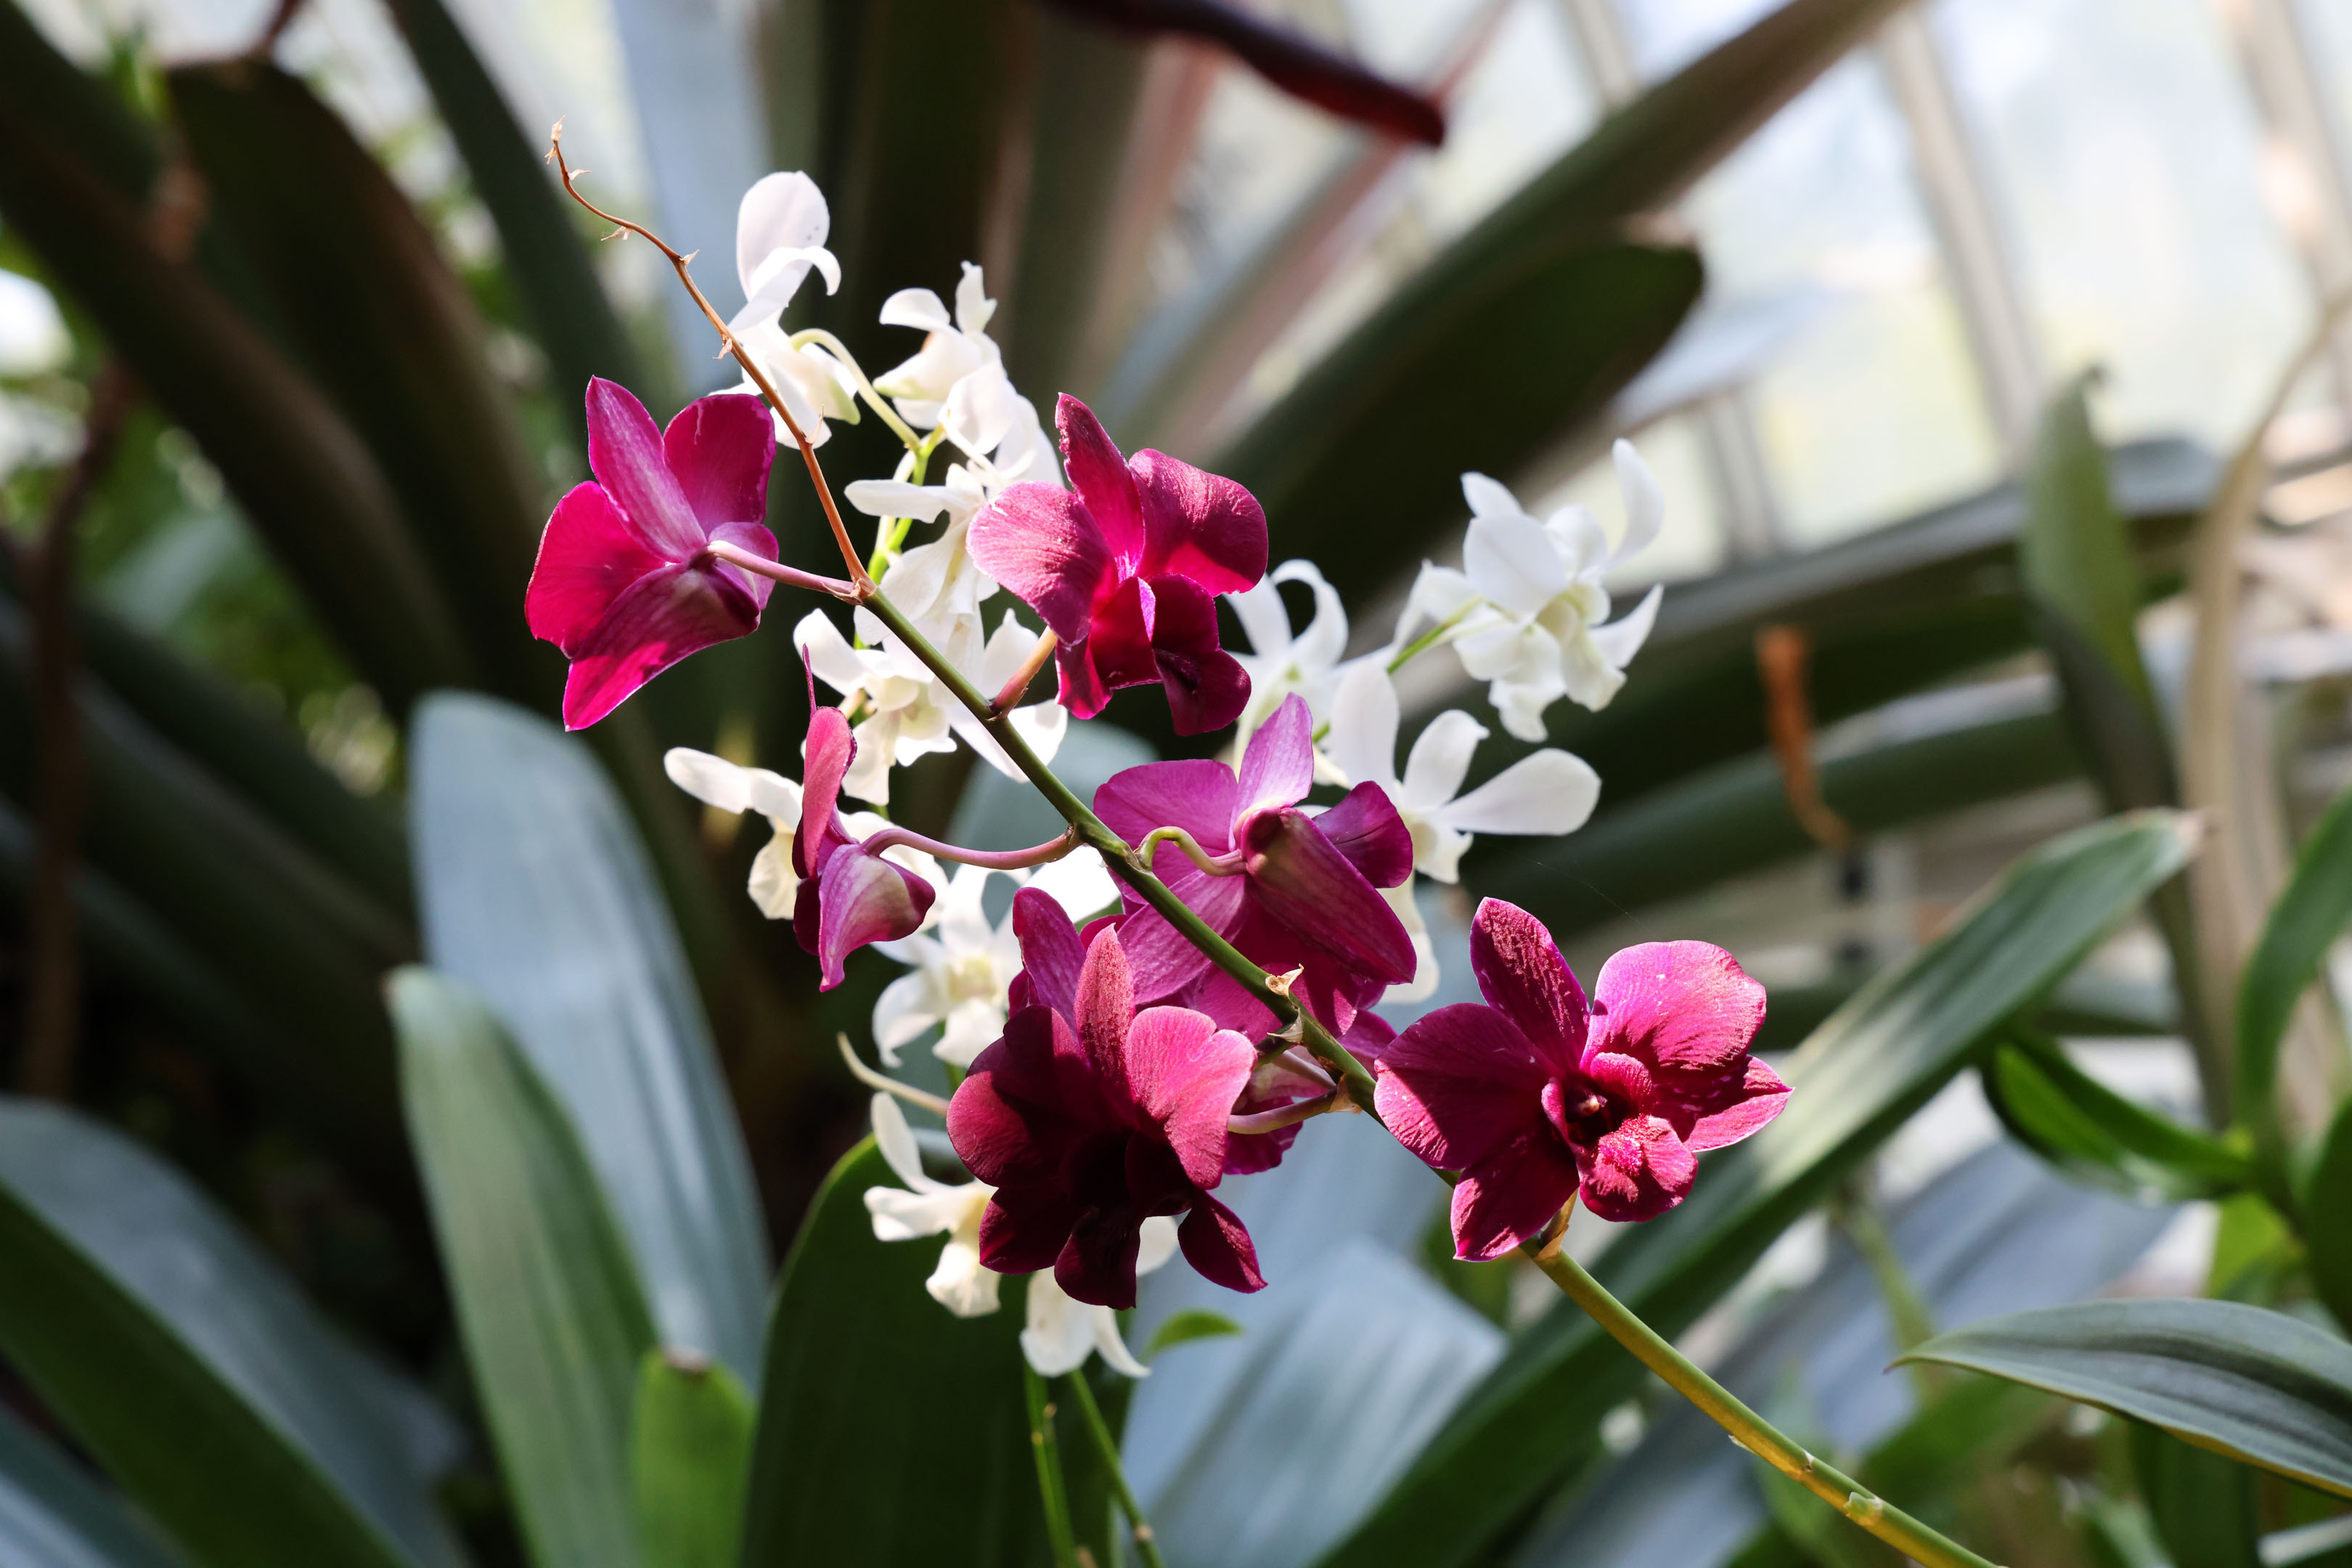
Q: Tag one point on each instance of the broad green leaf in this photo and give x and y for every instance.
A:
(53, 1515)
(2327, 1210)
(2308, 917)
(535, 891)
(1192, 1323)
(392, 335)
(1859, 1077)
(2075, 555)
(892, 1433)
(301, 946)
(254, 752)
(2203, 1505)
(1890, 612)
(2090, 1131)
(1734, 817)
(1471, 363)
(690, 1451)
(304, 479)
(545, 257)
(2258, 1386)
(553, 1316)
(181, 1357)
(1485, 372)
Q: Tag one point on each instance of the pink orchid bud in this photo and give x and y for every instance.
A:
(1304, 894)
(1537, 1098)
(848, 896)
(1088, 1122)
(625, 584)
(1125, 567)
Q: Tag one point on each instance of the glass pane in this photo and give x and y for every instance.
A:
(2124, 150)
(1875, 412)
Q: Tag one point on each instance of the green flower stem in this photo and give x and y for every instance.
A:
(1147, 1546)
(874, 400)
(1048, 1452)
(1129, 867)
(1747, 1429)
(1429, 639)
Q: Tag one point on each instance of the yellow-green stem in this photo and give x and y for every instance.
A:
(1147, 1546)
(1750, 1430)
(1051, 1488)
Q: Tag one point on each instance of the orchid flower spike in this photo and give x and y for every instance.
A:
(1126, 570)
(1090, 1121)
(779, 232)
(957, 378)
(1525, 612)
(625, 583)
(1537, 1099)
(1290, 890)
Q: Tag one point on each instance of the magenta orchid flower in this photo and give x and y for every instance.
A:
(1125, 567)
(625, 583)
(849, 895)
(1536, 1097)
(1089, 1122)
(1290, 891)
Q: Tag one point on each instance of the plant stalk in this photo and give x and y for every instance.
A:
(1147, 1546)
(1051, 1488)
(1750, 1430)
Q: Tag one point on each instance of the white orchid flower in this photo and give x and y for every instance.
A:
(1526, 611)
(961, 971)
(1280, 662)
(1548, 792)
(910, 712)
(957, 379)
(732, 787)
(938, 583)
(1063, 1332)
(780, 232)
(929, 1206)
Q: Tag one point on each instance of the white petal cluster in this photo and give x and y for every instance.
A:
(957, 378)
(1061, 1333)
(1281, 662)
(779, 232)
(1526, 611)
(960, 968)
(730, 787)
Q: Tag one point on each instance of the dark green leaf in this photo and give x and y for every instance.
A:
(1735, 817)
(306, 481)
(1524, 365)
(196, 1372)
(2258, 1386)
(390, 332)
(550, 265)
(892, 1435)
(689, 1452)
(2327, 1223)
(1192, 1323)
(2308, 917)
(2203, 1505)
(535, 891)
(2088, 1131)
(553, 1316)
(52, 1515)
(1861, 1076)
(1529, 346)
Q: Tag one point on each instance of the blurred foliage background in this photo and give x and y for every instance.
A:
(292, 330)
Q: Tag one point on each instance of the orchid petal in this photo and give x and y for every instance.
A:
(1300, 878)
(1185, 1074)
(863, 899)
(625, 452)
(774, 886)
(908, 1006)
(715, 782)
(1079, 882)
(589, 556)
(1645, 502)
(1684, 1007)
(1156, 1245)
(1440, 761)
(1489, 498)
(1622, 638)
(1508, 1198)
(1105, 1006)
(1551, 792)
(973, 307)
(1424, 984)
(1637, 1172)
(1459, 1084)
(1199, 525)
(1115, 1353)
(784, 211)
(1366, 829)
(718, 449)
(1206, 686)
(1218, 1246)
(917, 308)
(1760, 1097)
(1363, 733)
(1102, 480)
(1046, 546)
(660, 619)
(1583, 543)
(896, 1140)
(1265, 621)
(1278, 765)
(1197, 795)
(895, 498)
(1051, 954)
(1513, 562)
(1060, 1334)
(961, 1283)
(1522, 975)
